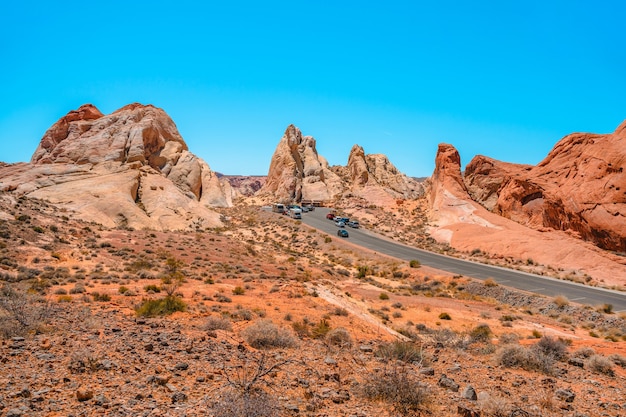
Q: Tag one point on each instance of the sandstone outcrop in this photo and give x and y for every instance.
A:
(467, 226)
(297, 172)
(375, 171)
(579, 187)
(130, 168)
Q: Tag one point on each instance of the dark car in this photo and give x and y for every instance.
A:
(342, 233)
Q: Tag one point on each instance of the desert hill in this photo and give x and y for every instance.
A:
(130, 168)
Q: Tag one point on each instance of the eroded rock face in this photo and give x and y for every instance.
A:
(376, 171)
(580, 186)
(297, 172)
(130, 168)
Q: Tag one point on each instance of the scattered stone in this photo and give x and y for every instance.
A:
(330, 361)
(448, 383)
(467, 412)
(566, 395)
(427, 371)
(366, 348)
(469, 393)
(179, 397)
(84, 394)
(182, 366)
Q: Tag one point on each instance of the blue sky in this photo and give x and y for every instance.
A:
(498, 78)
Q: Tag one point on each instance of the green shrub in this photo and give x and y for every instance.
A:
(123, 290)
(265, 334)
(321, 329)
(383, 296)
(161, 307)
(238, 290)
(414, 263)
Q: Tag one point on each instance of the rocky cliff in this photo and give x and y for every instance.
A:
(375, 171)
(130, 168)
(298, 173)
(579, 187)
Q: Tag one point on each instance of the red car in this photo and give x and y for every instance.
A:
(330, 216)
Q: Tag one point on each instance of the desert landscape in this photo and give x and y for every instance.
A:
(137, 281)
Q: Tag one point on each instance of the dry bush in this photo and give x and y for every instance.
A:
(400, 351)
(481, 333)
(256, 403)
(618, 359)
(517, 356)
(399, 388)
(600, 364)
(21, 313)
(265, 334)
(556, 348)
(339, 337)
(218, 323)
(495, 406)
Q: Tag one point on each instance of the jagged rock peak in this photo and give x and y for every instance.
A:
(448, 168)
(133, 133)
(297, 172)
(357, 166)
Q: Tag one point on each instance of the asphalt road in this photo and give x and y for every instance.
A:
(528, 282)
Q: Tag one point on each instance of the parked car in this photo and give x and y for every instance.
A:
(354, 224)
(330, 216)
(342, 233)
(340, 223)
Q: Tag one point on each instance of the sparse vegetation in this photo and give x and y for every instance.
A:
(161, 307)
(264, 334)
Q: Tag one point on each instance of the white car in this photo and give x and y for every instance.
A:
(340, 223)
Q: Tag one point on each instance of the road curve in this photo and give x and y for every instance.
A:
(521, 280)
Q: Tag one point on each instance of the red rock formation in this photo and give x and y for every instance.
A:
(579, 187)
(128, 168)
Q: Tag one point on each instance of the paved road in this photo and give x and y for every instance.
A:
(515, 279)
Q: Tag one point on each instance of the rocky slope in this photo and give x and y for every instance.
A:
(297, 172)
(130, 168)
(579, 187)
(467, 226)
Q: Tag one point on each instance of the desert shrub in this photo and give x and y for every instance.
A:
(123, 289)
(561, 301)
(600, 364)
(83, 361)
(100, 297)
(584, 353)
(400, 389)
(78, 289)
(509, 338)
(383, 296)
(445, 316)
(161, 307)
(414, 263)
(408, 352)
(256, 403)
(321, 329)
(490, 282)
(152, 287)
(60, 291)
(363, 271)
(21, 312)
(64, 299)
(265, 334)
(301, 328)
(339, 337)
(556, 348)
(618, 359)
(218, 323)
(242, 314)
(238, 290)
(340, 311)
(517, 356)
(481, 333)
(606, 308)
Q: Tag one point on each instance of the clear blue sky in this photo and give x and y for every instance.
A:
(499, 78)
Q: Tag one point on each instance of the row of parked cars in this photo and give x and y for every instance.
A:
(342, 222)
